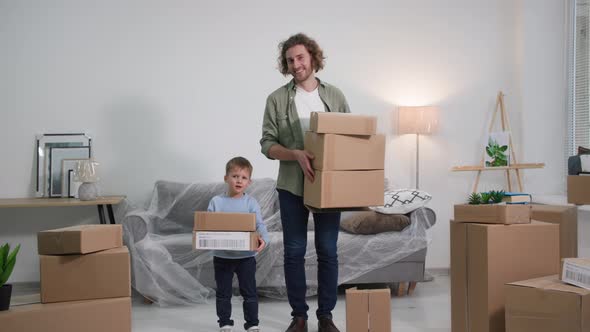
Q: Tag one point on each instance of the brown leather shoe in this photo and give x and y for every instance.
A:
(298, 324)
(327, 325)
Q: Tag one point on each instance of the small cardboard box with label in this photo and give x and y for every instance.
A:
(225, 231)
(546, 304)
(576, 271)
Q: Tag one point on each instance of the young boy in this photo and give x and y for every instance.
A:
(238, 172)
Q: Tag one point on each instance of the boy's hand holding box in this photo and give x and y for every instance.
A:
(225, 231)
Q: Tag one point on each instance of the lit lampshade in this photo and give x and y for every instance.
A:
(417, 120)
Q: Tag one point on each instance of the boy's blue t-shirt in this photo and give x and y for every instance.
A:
(244, 204)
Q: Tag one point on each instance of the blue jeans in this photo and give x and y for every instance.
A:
(294, 217)
(245, 269)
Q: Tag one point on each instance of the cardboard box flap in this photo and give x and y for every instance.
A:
(342, 123)
(357, 303)
(551, 283)
(77, 228)
(579, 261)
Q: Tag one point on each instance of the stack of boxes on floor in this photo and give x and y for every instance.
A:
(495, 245)
(349, 159)
(85, 283)
(578, 189)
(225, 231)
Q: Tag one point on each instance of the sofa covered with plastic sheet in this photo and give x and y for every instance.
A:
(167, 271)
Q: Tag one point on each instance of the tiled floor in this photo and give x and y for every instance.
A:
(427, 309)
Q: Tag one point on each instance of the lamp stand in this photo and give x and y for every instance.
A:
(417, 161)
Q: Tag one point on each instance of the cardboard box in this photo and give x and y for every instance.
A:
(493, 213)
(344, 189)
(224, 221)
(546, 305)
(103, 274)
(578, 189)
(576, 271)
(82, 239)
(368, 310)
(567, 218)
(342, 123)
(334, 152)
(484, 257)
(113, 315)
(214, 240)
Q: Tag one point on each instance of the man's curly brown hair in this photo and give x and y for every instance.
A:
(317, 55)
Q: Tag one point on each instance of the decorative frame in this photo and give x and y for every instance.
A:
(69, 187)
(73, 186)
(56, 155)
(497, 149)
(43, 143)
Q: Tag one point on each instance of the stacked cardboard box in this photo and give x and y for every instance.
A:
(85, 283)
(566, 216)
(546, 303)
(578, 189)
(368, 310)
(486, 256)
(349, 161)
(225, 231)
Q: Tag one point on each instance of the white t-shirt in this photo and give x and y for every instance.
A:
(307, 102)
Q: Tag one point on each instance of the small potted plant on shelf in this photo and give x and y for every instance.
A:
(487, 207)
(7, 261)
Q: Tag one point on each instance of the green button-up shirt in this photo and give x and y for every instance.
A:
(281, 125)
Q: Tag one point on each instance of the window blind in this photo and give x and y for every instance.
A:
(579, 77)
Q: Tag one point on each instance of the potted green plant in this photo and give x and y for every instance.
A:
(7, 261)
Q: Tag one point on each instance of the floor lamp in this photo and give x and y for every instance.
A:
(419, 120)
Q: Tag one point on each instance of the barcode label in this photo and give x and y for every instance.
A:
(576, 275)
(231, 244)
(222, 240)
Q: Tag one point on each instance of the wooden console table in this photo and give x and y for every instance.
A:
(99, 202)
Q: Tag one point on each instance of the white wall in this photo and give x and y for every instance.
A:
(172, 89)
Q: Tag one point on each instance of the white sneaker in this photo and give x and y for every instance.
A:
(253, 329)
(226, 328)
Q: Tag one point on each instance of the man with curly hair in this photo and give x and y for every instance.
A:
(286, 118)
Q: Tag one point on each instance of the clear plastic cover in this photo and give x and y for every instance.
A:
(166, 269)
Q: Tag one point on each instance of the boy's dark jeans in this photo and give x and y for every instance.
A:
(245, 269)
(294, 220)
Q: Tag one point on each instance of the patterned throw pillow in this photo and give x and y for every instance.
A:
(403, 201)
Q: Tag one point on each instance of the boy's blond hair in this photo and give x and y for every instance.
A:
(239, 162)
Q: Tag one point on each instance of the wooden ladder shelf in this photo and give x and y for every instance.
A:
(513, 165)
